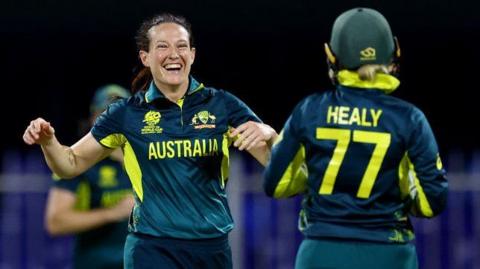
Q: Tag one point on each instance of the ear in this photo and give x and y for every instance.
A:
(143, 55)
(192, 54)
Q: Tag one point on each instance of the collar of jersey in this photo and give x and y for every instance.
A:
(154, 93)
(383, 82)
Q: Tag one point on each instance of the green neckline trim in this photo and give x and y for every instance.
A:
(197, 89)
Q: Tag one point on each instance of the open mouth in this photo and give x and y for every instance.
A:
(175, 68)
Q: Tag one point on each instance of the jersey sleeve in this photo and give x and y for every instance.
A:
(108, 127)
(238, 111)
(66, 184)
(426, 174)
(286, 173)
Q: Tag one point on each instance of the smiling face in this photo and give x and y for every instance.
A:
(169, 56)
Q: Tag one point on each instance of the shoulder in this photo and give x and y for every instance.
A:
(312, 101)
(218, 93)
(404, 107)
(221, 95)
(118, 104)
(121, 105)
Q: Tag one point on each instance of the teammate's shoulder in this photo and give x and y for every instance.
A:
(315, 98)
(401, 104)
(408, 110)
(321, 94)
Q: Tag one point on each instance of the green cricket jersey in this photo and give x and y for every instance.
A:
(176, 155)
(363, 159)
(103, 185)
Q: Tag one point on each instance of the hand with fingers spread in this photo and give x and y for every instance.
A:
(252, 134)
(38, 132)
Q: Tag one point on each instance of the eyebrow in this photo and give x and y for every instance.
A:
(181, 40)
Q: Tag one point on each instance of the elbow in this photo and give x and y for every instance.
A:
(436, 204)
(53, 227)
(441, 205)
(268, 191)
(268, 188)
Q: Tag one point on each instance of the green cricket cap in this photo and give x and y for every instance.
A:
(362, 36)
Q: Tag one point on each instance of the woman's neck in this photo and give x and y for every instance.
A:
(173, 92)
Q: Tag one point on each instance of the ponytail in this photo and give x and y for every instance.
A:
(142, 80)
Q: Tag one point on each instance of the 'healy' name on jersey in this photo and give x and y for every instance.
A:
(182, 148)
(345, 115)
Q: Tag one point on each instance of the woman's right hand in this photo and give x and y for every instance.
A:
(39, 132)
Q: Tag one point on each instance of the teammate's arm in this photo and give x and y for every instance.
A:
(286, 173)
(428, 176)
(62, 217)
(66, 162)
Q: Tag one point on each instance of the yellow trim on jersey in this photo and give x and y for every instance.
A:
(83, 194)
(113, 141)
(224, 172)
(130, 160)
(55, 177)
(384, 82)
(180, 102)
(422, 202)
(403, 177)
(422, 206)
(294, 179)
(133, 169)
(201, 86)
(279, 138)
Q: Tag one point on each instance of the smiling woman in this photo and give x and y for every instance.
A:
(175, 134)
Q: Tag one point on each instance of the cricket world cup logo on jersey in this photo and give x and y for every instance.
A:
(152, 119)
(203, 119)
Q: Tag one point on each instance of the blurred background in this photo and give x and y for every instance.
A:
(54, 54)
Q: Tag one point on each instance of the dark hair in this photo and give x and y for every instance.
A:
(143, 77)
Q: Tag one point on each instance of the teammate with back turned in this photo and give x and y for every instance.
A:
(364, 160)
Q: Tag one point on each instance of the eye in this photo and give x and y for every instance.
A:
(183, 46)
(161, 46)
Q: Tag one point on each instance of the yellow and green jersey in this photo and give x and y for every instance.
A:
(176, 155)
(102, 186)
(363, 160)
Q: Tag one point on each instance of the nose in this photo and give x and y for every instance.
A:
(173, 54)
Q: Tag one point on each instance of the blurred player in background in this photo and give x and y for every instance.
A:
(363, 159)
(96, 204)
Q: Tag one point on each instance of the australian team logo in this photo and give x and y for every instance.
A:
(151, 120)
(203, 119)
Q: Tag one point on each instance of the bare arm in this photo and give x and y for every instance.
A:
(62, 218)
(64, 161)
(257, 138)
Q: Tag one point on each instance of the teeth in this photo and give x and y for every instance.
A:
(171, 66)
